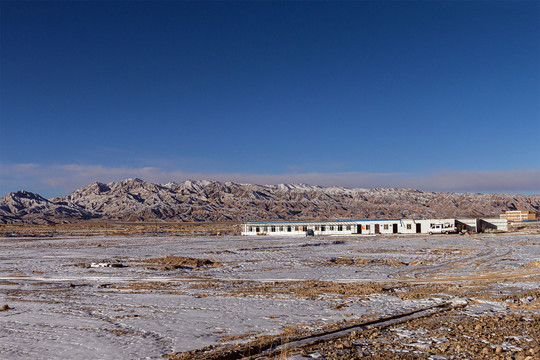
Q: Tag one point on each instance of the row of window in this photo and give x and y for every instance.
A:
(316, 228)
(301, 228)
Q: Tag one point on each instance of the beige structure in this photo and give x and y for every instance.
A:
(518, 215)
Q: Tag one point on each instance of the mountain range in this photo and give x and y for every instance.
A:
(138, 200)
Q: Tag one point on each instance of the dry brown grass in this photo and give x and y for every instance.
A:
(347, 261)
(302, 289)
(117, 228)
(122, 332)
(228, 338)
(179, 262)
(165, 287)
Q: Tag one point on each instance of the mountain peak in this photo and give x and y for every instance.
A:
(26, 194)
(202, 200)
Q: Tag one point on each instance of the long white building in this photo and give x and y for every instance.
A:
(368, 227)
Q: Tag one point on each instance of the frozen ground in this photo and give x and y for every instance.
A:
(65, 303)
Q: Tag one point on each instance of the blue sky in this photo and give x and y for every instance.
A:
(441, 96)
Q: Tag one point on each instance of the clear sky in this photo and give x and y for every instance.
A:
(432, 95)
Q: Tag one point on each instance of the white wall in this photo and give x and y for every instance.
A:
(331, 228)
(496, 223)
(347, 228)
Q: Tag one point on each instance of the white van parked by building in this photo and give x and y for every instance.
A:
(442, 229)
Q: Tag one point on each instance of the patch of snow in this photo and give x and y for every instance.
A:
(486, 306)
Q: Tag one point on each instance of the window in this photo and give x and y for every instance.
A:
(409, 226)
(385, 226)
(367, 227)
(257, 229)
(289, 229)
(348, 227)
(250, 229)
(340, 228)
(317, 227)
(323, 228)
(273, 229)
(265, 229)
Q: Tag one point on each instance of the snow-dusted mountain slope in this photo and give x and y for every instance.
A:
(27, 207)
(137, 200)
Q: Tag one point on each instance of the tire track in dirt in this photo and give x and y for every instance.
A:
(475, 260)
(496, 276)
(122, 329)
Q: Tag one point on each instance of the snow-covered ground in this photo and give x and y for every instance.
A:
(62, 307)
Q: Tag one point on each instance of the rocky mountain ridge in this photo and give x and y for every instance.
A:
(138, 200)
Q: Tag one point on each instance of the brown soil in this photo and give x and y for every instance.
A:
(362, 262)
(180, 262)
(168, 287)
(117, 228)
(305, 289)
(453, 335)
(310, 288)
(122, 332)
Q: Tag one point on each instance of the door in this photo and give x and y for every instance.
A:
(358, 229)
(377, 230)
(418, 228)
(394, 228)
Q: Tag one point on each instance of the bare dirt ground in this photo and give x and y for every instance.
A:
(131, 292)
(116, 228)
